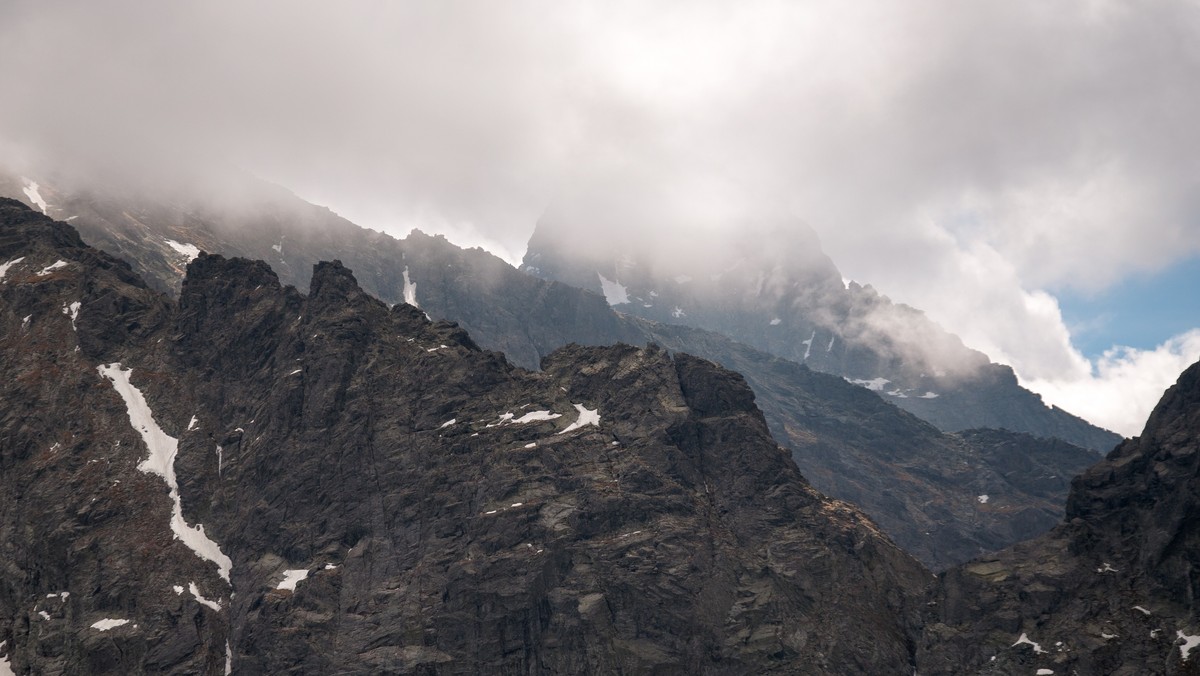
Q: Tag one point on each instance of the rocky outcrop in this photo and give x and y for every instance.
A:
(253, 479)
(1110, 591)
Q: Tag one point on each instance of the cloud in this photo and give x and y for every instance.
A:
(1123, 386)
(970, 159)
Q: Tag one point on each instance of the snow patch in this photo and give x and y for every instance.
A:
(678, 312)
(295, 372)
(1045, 672)
(1107, 568)
(188, 251)
(31, 191)
(71, 311)
(448, 423)
(682, 279)
(192, 424)
(109, 623)
(410, 289)
(228, 659)
(829, 348)
(776, 321)
(5, 665)
(536, 416)
(808, 344)
(1189, 642)
(614, 292)
(44, 615)
(1037, 648)
(587, 416)
(177, 589)
(1141, 610)
(874, 384)
(4, 268)
(161, 461)
(56, 265)
(533, 445)
(929, 395)
(291, 578)
(983, 499)
(200, 597)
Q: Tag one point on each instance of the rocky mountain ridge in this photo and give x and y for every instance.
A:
(933, 512)
(253, 480)
(390, 498)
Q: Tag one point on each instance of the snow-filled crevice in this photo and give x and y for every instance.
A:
(161, 461)
(410, 289)
(31, 191)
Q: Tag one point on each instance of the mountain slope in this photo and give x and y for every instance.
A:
(383, 496)
(923, 487)
(1110, 591)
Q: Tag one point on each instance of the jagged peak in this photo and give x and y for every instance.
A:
(234, 271)
(333, 281)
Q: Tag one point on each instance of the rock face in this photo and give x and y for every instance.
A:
(847, 440)
(252, 479)
(1112, 590)
(768, 285)
(944, 498)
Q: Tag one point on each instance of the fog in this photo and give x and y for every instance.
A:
(970, 159)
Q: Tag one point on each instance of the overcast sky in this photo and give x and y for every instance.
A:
(979, 160)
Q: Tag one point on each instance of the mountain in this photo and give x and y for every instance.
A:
(767, 284)
(1112, 590)
(845, 439)
(945, 498)
(249, 478)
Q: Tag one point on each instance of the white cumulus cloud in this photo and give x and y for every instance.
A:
(1122, 386)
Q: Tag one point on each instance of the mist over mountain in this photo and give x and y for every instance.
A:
(1056, 156)
(352, 485)
(840, 434)
(457, 337)
(789, 299)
